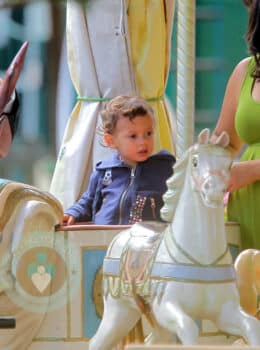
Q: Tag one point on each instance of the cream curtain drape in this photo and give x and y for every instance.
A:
(114, 47)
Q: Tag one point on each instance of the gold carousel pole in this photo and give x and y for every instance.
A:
(185, 75)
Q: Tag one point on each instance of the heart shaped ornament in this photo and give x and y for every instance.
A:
(41, 279)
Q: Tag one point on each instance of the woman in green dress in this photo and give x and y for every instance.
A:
(240, 117)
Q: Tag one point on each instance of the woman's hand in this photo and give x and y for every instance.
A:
(243, 174)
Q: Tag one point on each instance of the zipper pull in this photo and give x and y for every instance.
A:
(153, 206)
(132, 172)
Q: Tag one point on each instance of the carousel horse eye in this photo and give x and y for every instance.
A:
(195, 161)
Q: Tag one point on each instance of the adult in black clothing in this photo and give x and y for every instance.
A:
(9, 102)
(8, 124)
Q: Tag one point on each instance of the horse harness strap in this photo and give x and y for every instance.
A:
(111, 267)
(180, 272)
(193, 273)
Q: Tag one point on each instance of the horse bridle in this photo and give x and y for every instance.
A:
(199, 182)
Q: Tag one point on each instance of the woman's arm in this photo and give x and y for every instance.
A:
(246, 172)
(226, 121)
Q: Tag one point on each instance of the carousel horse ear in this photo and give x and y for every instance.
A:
(203, 137)
(221, 140)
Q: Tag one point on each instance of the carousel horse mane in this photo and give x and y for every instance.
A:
(174, 188)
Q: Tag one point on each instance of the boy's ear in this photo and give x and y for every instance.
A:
(108, 139)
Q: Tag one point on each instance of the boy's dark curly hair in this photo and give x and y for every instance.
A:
(123, 106)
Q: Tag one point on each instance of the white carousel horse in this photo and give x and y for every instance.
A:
(24, 212)
(180, 272)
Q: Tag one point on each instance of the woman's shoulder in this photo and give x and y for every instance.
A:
(242, 66)
(238, 76)
(244, 62)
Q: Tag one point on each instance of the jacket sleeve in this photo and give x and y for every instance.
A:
(82, 210)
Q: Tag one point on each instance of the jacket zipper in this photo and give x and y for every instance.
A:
(132, 176)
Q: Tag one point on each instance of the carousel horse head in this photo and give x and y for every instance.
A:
(210, 164)
(205, 167)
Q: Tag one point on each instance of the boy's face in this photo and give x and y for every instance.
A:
(133, 139)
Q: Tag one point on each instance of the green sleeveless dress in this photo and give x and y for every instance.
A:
(244, 204)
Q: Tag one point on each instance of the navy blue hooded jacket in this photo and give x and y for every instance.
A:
(119, 194)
